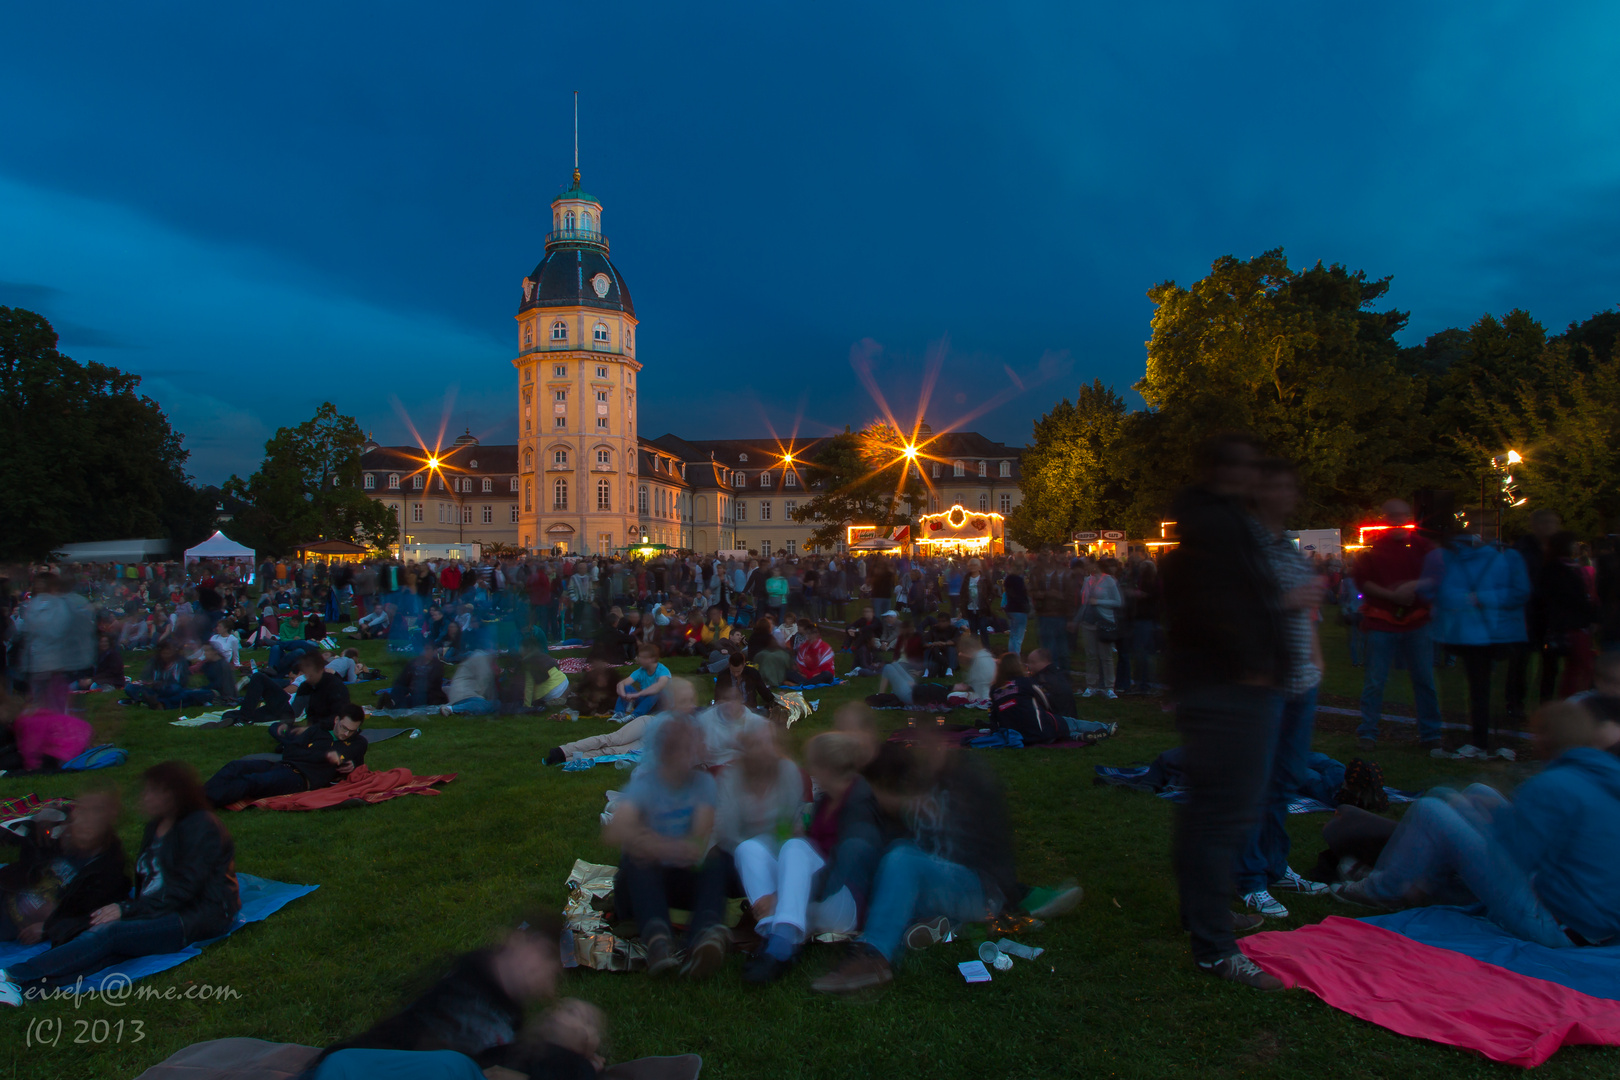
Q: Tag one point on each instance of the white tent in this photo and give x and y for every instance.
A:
(219, 548)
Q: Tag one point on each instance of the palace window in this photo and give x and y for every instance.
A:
(604, 495)
(601, 423)
(489, 515)
(764, 509)
(514, 513)
(416, 481)
(958, 469)
(741, 506)
(559, 495)
(641, 499)
(787, 511)
(393, 481)
(489, 484)
(528, 497)
(416, 511)
(559, 331)
(600, 333)
(466, 515)
(559, 459)
(602, 396)
(1006, 504)
(984, 502)
(560, 371)
(604, 457)
(370, 482)
(1006, 468)
(560, 423)
(601, 371)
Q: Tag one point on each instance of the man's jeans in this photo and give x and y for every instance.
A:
(475, 706)
(1266, 859)
(1227, 733)
(101, 946)
(641, 706)
(1444, 851)
(1418, 648)
(253, 778)
(284, 654)
(1054, 634)
(651, 888)
(912, 886)
(1017, 626)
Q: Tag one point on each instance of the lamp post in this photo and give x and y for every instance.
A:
(433, 466)
(1507, 492)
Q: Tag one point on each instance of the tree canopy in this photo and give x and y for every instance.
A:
(1072, 475)
(861, 478)
(83, 455)
(308, 488)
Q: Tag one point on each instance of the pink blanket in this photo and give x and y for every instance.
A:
(1436, 994)
(59, 735)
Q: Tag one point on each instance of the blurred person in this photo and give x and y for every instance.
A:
(813, 662)
(978, 672)
(1015, 602)
(473, 688)
(596, 691)
(1263, 865)
(63, 872)
(1226, 654)
(1143, 638)
(954, 866)
(185, 889)
(662, 824)
(419, 683)
(678, 699)
(638, 692)
(1532, 548)
(1054, 597)
(973, 598)
(1098, 619)
(1567, 613)
(1395, 623)
(1018, 704)
(745, 679)
(1542, 865)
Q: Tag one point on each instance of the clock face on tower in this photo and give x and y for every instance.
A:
(601, 284)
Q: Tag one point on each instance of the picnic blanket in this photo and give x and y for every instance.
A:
(580, 764)
(261, 898)
(256, 1059)
(363, 785)
(1448, 975)
(973, 738)
(573, 665)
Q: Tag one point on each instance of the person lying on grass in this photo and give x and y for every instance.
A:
(478, 1010)
(1543, 865)
(185, 890)
(63, 871)
(638, 692)
(663, 823)
(311, 758)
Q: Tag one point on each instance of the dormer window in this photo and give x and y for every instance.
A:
(1006, 468)
(764, 479)
(370, 482)
(984, 469)
(514, 485)
(743, 458)
(416, 481)
(790, 480)
(935, 470)
(958, 468)
(393, 481)
(559, 331)
(489, 484)
(740, 479)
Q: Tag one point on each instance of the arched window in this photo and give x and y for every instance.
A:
(528, 460)
(370, 482)
(589, 224)
(983, 471)
(984, 503)
(393, 481)
(528, 493)
(936, 470)
(743, 458)
(489, 484)
(568, 220)
(416, 481)
(740, 479)
(559, 495)
(559, 331)
(1006, 468)
(959, 469)
(604, 495)
(514, 485)
(764, 479)
(601, 332)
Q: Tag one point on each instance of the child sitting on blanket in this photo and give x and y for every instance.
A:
(477, 1009)
(1543, 865)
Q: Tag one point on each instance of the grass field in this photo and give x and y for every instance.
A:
(406, 884)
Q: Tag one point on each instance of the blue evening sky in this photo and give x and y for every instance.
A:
(261, 207)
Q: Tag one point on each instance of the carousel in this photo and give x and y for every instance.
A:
(962, 532)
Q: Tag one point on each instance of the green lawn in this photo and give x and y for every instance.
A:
(407, 884)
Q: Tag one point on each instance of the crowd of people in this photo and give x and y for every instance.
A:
(888, 844)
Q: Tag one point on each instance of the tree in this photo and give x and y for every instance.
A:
(83, 456)
(1071, 475)
(308, 488)
(862, 478)
(1301, 359)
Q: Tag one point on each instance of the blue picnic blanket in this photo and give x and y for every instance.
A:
(1594, 971)
(261, 898)
(582, 763)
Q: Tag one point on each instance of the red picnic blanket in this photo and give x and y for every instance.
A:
(372, 787)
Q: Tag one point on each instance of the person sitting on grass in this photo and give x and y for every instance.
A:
(320, 697)
(663, 823)
(477, 1011)
(977, 673)
(596, 692)
(939, 646)
(1017, 704)
(819, 882)
(813, 663)
(773, 661)
(185, 890)
(540, 682)
(375, 625)
(217, 670)
(638, 692)
(64, 872)
(419, 683)
(1543, 865)
(311, 758)
(474, 690)
(162, 684)
(954, 866)
(867, 621)
(745, 679)
(108, 673)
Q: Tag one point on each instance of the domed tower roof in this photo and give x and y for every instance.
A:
(576, 270)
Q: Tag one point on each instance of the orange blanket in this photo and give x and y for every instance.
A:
(372, 787)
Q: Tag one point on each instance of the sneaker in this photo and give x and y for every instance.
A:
(1110, 695)
(1266, 904)
(1113, 729)
(926, 933)
(1240, 969)
(1292, 882)
(1243, 922)
(1505, 754)
(1087, 692)
(1063, 900)
(10, 993)
(445, 710)
(1355, 892)
(708, 955)
(1470, 752)
(864, 969)
(1366, 744)
(660, 958)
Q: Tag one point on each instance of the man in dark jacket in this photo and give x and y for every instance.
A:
(311, 757)
(322, 695)
(419, 683)
(1532, 547)
(1225, 653)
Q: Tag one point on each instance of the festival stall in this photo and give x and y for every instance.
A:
(961, 532)
(219, 548)
(332, 551)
